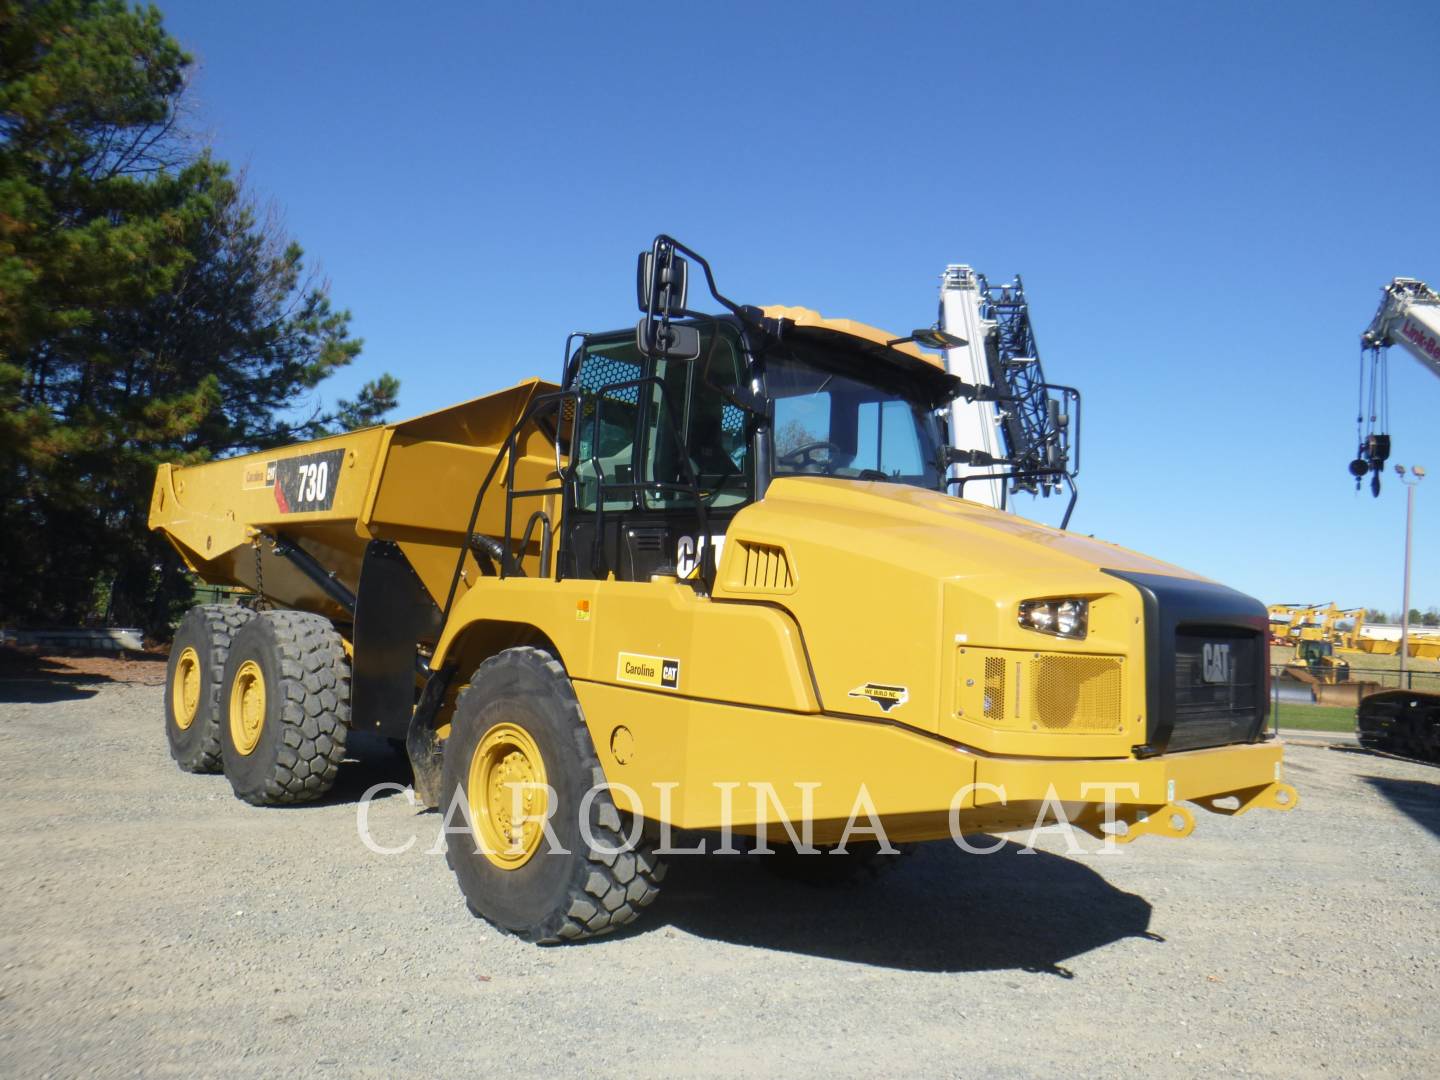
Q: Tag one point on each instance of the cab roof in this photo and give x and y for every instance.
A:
(803, 316)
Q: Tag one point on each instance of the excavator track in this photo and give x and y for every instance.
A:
(1401, 722)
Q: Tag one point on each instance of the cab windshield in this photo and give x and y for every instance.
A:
(833, 420)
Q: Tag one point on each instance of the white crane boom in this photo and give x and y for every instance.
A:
(974, 425)
(1409, 316)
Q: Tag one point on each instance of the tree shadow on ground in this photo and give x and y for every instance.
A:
(27, 679)
(940, 909)
(47, 691)
(31, 676)
(1417, 799)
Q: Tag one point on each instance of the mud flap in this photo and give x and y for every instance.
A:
(393, 614)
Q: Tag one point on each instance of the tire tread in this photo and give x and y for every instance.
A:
(315, 711)
(605, 890)
(221, 623)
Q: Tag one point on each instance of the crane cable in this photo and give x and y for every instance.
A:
(1373, 436)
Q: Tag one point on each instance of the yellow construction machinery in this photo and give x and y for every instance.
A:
(1291, 624)
(1287, 621)
(1350, 629)
(1317, 660)
(713, 577)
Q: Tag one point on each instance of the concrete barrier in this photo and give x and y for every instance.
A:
(106, 639)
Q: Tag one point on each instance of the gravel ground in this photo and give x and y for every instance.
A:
(151, 924)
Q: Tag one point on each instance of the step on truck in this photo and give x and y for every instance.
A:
(715, 579)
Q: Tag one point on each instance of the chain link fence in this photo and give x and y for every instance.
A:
(1301, 700)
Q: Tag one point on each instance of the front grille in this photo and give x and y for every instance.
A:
(1075, 693)
(994, 700)
(1219, 687)
(1187, 710)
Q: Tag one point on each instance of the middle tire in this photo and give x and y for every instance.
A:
(518, 740)
(195, 682)
(286, 708)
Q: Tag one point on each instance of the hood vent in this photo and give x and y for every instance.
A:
(760, 568)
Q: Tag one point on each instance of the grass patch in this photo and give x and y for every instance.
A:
(1315, 717)
(1388, 665)
(1374, 667)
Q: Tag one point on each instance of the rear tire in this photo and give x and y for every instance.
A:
(519, 723)
(286, 708)
(194, 681)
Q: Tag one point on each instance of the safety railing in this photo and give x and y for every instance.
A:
(1322, 702)
(507, 456)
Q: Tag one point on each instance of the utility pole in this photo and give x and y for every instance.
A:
(1418, 474)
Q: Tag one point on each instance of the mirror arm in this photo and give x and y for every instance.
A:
(954, 456)
(972, 392)
(745, 313)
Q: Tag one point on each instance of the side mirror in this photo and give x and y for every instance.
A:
(673, 341)
(661, 285)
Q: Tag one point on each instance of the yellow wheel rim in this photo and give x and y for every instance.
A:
(247, 707)
(185, 688)
(507, 796)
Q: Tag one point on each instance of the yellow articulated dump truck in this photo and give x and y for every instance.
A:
(719, 577)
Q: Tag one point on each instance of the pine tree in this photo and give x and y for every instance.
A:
(148, 313)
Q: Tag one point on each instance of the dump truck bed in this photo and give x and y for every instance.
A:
(412, 483)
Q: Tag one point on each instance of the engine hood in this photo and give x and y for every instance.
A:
(948, 536)
(894, 589)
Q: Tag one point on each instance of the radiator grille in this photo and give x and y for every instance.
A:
(1075, 693)
(994, 688)
(765, 567)
(1227, 710)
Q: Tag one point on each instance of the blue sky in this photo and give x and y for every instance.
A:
(1204, 201)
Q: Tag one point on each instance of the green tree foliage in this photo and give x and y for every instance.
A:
(148, 313)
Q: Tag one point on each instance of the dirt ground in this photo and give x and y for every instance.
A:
(151, 924)
(58, 669)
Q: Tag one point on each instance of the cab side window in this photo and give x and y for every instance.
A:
(690, 418)
(802, 422)
(609, 419)
(650, 431)
(887, 442)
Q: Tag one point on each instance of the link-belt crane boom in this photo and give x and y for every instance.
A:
(1408, 316)
(1408, 720)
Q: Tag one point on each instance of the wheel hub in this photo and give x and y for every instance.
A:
(507, 796)
(247, 707)
(185, 688)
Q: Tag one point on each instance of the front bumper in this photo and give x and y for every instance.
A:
(699, 765)
(1123, 799)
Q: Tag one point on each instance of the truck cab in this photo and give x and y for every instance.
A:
(668, 451)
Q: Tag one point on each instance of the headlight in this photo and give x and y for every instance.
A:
(1063, 618)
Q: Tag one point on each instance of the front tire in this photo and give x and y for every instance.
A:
(287, 708)
(194, 681)
(518, 739)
